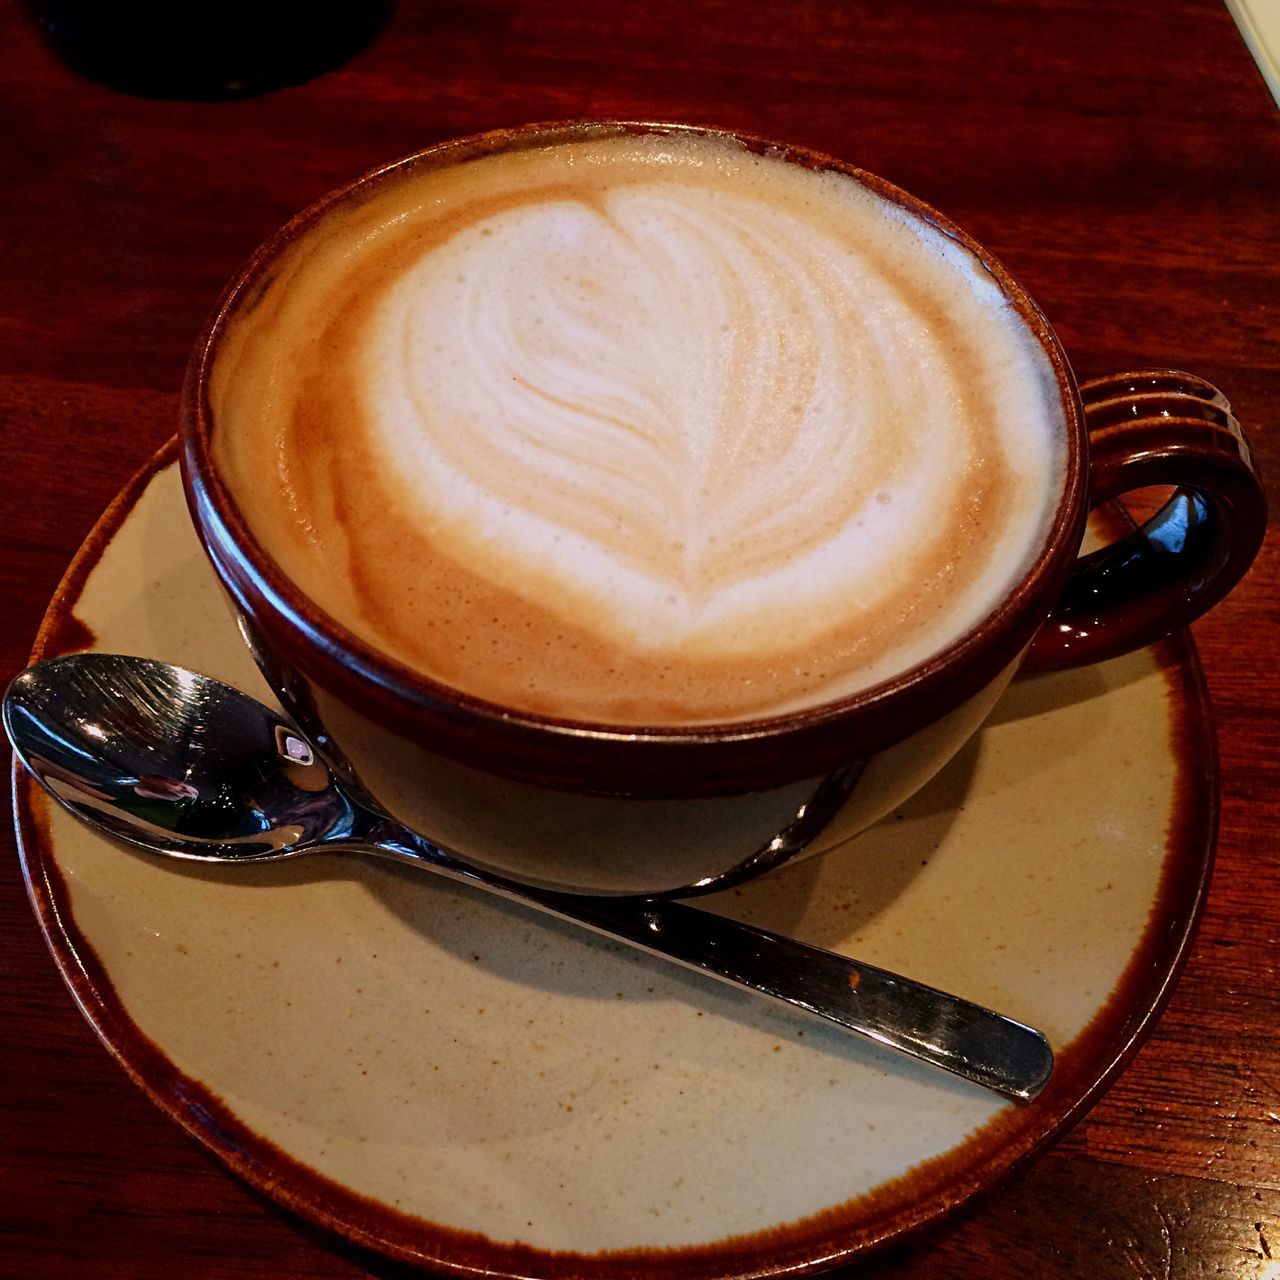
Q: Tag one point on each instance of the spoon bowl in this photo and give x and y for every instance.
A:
(182, 765)
(173, 762)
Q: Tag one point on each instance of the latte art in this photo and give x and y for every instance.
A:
(640, 430)
(669, 402)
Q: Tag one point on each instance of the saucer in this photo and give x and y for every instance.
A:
(458, 1081)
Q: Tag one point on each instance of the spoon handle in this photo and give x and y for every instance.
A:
(946, 1031)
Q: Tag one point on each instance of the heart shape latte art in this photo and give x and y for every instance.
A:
(673, 407)
(632, 430)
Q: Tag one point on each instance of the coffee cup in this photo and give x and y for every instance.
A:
(633, 508)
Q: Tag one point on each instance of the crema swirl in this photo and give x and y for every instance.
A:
(642, 430)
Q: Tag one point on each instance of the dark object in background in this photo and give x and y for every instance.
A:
(211, 49)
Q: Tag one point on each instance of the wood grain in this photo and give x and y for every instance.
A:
(1124, 161)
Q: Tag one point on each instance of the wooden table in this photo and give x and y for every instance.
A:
(1123, 160)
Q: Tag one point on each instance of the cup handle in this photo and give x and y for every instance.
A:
(1158, 427)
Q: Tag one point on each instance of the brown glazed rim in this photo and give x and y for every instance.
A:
(839, 1235)
(653, 759)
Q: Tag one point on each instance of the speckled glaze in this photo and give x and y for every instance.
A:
(604, 808)
(458, 1082)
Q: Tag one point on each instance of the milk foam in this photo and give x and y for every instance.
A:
(637, 430)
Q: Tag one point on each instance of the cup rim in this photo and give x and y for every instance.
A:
(735, 754)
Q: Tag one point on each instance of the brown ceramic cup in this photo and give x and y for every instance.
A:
(662, 809)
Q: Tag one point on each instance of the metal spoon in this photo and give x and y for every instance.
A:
(179, 764)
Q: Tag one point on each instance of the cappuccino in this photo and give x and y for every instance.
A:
(639, 430)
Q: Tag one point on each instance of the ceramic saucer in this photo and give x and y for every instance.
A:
(457, 1081)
